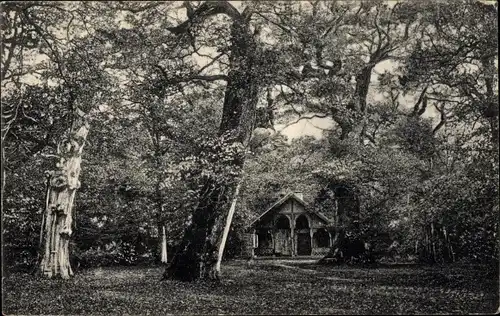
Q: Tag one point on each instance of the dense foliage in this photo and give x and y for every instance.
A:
(410, 89)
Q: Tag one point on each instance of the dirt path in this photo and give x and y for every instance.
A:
(283, 264)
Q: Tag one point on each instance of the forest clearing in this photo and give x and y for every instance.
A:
(263, 287)
(250, 157)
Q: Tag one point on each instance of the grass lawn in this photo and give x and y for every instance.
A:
(261, 287)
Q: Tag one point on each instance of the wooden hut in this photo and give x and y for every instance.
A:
(289, 228)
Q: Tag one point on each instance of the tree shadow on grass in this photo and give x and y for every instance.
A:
(419, 288)
(260, 289)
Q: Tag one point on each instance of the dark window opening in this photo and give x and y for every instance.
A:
(301, 222)
(264, 239)
(321, 238)
(283, 223)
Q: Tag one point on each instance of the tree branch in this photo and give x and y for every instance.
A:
(172, 80)
(6, 65)
(442, 121)
(40, 32)
(205, 10)
(306, 118)
(416, 108)
(130, 9)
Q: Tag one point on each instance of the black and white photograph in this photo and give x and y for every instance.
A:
(322, 157)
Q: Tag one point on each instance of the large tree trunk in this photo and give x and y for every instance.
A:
(196, 257)
(59, 209)
(198, 250)
(351, 248)
(347, 246)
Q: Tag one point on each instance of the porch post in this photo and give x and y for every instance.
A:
(311, 234)
(292, 231)
(273, 241)
(254, 244)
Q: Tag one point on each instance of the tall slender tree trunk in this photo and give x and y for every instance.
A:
(160, 222)
(7, 118)
(163, 251)
(3, 173)
(490, 108)
(450, 256)
(196, 257)
(61, 193)
(229, 220)
(428, 248)
(2, 167)
(433, 243)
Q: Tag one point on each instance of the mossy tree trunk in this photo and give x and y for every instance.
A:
(196, 257)
(62, 186)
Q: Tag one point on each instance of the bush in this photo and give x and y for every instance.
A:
(116, 254)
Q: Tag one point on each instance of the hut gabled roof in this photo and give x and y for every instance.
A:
(287, 197)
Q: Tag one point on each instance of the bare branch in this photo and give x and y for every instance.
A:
(379, 33)
(172, 80)
(306, 118)
(216, 58)
(422, 98)
(274, 23)
(6, 65)
(151, 5)
(247, 13)
(443, 118)
(205, 10)
(444, 100)
(41, 33)
(321, 128)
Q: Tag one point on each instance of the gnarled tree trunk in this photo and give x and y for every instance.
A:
(196, 257)
(63, 184)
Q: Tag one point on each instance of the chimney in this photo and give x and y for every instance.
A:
(300, 195)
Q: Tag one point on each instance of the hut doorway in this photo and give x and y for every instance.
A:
(303, 244)
(302, 227)
(282, 237)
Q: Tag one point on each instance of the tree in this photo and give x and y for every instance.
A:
(197, 254)
(23, 34)
(82, 89)
(171, 113)
(374, 32)
(53, 34)
(455, 62)
(456, 56)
